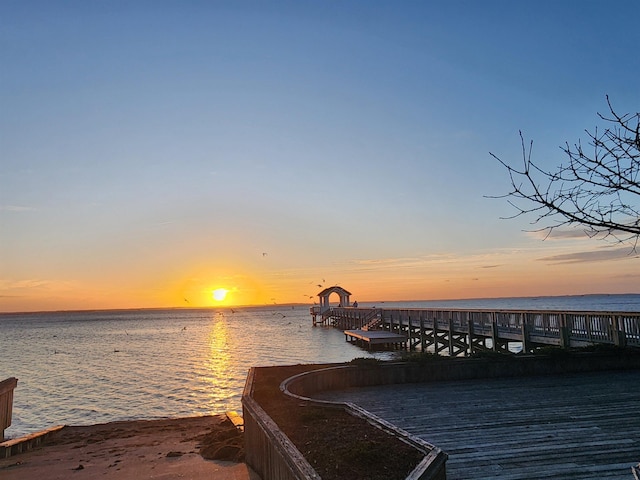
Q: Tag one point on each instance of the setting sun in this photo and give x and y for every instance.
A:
(219, 294)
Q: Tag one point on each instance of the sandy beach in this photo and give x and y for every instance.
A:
(180, 448)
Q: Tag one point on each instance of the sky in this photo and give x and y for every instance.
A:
(153, 152)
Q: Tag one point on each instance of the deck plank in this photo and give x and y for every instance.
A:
(582, 426)
(375, 337)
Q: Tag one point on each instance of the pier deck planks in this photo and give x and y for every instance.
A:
(578, 426)
(376, 337)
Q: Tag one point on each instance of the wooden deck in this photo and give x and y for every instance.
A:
(580, 426)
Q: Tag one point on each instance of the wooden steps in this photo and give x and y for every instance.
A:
(236, 419)
(26, 443)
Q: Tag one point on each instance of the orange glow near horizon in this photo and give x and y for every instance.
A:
(492, 274)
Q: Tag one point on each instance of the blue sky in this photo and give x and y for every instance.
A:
(153, 151)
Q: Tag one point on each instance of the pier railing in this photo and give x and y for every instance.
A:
(6, 403)
(465, 331)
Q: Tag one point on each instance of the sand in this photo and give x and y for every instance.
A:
(142, 449)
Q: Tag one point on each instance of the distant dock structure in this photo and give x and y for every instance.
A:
(464, 332)
(324, 300)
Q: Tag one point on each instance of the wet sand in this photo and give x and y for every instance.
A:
(134, 450)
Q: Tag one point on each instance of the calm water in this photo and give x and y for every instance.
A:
(82, 368)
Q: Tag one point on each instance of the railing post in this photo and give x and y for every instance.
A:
(619, 335)
(494, 332)
(435, 333)
(410, 332)
(470, 329)
(565, 337)
(525, 333)
(451, 353)
(6, 403)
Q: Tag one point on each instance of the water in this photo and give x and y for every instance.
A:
(82, 368)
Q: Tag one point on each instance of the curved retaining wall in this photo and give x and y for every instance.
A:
(432, 466)
(383, 373)
(274, 457)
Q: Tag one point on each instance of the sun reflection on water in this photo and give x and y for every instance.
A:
(110, 365)
(218, 372)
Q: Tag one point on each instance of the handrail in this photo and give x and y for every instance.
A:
(373, 318)
(542, 327)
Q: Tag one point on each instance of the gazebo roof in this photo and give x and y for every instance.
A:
(334, 289)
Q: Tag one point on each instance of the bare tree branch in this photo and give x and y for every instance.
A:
(598, 188)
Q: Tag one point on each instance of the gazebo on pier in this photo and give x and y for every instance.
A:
(326, 293)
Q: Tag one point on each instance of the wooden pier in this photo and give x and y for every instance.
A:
(464, 332)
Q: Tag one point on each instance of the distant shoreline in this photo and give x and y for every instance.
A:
(299, 304)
